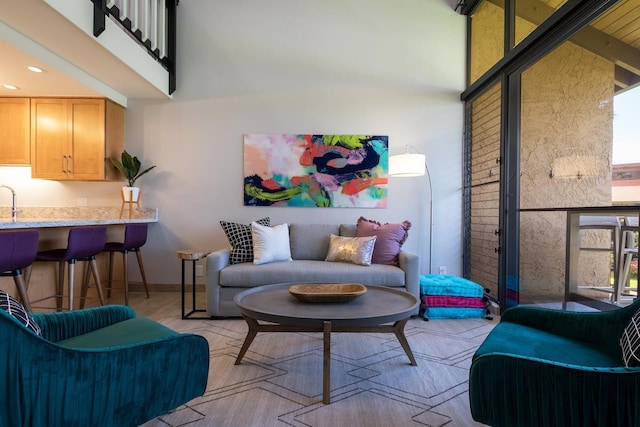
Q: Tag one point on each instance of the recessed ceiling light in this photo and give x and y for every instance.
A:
(8, 86)
(34, 69)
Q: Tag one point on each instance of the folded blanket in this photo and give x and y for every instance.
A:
(452, 301)
(444, 284)
(453, 313)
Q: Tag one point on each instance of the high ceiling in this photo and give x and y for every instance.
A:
(75, 64)
(614, 36)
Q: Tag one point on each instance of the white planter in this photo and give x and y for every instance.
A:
(130, 194)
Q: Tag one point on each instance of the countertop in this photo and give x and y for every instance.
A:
(41, 217)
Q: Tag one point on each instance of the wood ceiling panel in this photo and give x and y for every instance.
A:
(622, 22)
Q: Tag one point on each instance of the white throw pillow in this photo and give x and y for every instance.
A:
(270, 244)
(357, 250)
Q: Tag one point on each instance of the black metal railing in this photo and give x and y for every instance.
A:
(151, 22)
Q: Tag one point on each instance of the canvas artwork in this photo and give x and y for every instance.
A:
(339, 171)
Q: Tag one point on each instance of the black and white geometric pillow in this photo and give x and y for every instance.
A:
(17, 310)
(239, 237)
(630, 341)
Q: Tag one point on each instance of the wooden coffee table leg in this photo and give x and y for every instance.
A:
(251, 334)
(326, 364)
(398, 329)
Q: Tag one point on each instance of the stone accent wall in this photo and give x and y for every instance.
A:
(487, 41)
(566, 143)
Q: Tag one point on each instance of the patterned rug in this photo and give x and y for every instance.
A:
(279, 382)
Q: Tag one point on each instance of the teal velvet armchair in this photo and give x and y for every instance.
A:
(96, 367)
(541, 367)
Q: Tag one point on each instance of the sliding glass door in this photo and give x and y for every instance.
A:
(564, 62)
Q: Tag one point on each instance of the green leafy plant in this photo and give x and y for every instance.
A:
(129, 166)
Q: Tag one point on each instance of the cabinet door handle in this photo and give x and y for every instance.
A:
(64, 164)
(69, 168)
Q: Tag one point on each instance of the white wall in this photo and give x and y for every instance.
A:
(394, 68)
(289, 66)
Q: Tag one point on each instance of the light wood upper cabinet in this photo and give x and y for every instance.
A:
(15, 147)
(73, 139)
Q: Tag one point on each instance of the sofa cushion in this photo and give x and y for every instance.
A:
(630, 341)
(357, 250)
(299, 271)
(17, 310)
(390, 238)
(310, 241)
(240, 239)
(270, 243)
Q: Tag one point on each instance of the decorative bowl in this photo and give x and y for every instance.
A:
(327, 292)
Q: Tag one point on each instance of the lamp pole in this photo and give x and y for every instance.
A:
(426, 168)
(408, 165)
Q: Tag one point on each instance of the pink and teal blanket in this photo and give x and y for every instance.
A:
(451, 297)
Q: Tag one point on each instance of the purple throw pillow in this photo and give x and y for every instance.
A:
(389, 239)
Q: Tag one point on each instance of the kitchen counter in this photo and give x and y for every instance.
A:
(44, 217)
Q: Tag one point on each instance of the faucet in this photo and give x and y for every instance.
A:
(14, 206)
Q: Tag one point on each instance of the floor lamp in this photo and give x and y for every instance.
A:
(409, 165)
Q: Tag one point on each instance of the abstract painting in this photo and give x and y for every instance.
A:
(339, 171)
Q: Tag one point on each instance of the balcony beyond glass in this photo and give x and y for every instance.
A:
(594, 256)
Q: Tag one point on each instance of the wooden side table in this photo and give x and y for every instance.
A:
(192, 255)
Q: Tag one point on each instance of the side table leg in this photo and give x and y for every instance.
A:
(251, 334)
(193, 284)
(183, 286)
(398, 330)
(326, 364)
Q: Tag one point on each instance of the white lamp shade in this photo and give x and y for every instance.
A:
(407, 165)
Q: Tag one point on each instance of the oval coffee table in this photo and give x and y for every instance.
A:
(380, 309)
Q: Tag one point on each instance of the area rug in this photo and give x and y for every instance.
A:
(279, 382)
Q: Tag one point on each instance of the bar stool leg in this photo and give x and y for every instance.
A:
(110, 277)
(60, 285)
(141, 265)
(96, 278)
(91, 270)
(27, 277)
(22, 289)
(85, 286)
(72, 269)
(125, 269)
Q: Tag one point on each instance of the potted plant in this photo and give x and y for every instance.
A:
(129, 166)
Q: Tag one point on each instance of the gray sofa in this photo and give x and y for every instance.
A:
(309, 245)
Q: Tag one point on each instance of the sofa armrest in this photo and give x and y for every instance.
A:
(215, 262)
(601, 329)
(410, 264)
(63, 325)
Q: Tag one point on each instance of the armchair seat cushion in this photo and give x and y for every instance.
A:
(526, 342)
(130, 332)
